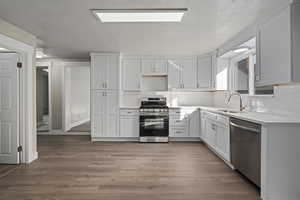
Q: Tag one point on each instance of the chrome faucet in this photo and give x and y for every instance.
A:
(241, 100)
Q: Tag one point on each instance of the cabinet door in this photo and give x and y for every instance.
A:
(111, 125)
(174, 72)
(98, 102)
(203, 128)
(275, 50)
(178, 132)
(154, 67)
(98, 71)
(211, 131)
(112, 82)
(129, 126)
(96, 126)
(131, 74)
(194, 126)
(112, 102)
(148, 66)
(160, 67)
(205, 72)
(223, 141)
(189, 73)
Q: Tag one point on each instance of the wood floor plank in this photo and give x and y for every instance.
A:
(73, 168)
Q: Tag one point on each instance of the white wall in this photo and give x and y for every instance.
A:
(77, 95)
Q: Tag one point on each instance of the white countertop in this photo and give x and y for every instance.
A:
(258, 117)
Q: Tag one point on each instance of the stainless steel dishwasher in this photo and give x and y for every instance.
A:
(245, 148)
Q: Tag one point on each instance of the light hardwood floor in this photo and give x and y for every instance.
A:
(71, 167)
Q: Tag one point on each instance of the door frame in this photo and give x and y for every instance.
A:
(27, 132)
(49, 65)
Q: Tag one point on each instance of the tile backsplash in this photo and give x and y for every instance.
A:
(286, 100)
(174, 98)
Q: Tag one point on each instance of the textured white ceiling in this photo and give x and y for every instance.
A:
(69, 30)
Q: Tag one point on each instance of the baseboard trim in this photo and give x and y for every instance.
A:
(33, 158)
(136, 139)
(60, 132)
(185, 139)
(117, 139)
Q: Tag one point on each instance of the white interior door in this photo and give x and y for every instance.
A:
(9, 108)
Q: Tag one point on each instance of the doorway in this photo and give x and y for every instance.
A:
(43, 98)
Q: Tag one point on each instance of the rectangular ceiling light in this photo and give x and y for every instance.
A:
(140, 15)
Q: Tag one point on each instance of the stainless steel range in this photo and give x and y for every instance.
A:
(154, 120)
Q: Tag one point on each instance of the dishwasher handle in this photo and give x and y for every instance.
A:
(245, 128)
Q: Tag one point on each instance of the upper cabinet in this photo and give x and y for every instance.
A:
(104, 68)
(152, 66)
(131, 72)
(189, 73)
(279, 48)
(205, 73)
(182, 73)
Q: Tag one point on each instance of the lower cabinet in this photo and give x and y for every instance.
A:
(194, 126)
(216, 133)
(223, 141)
(104, 114)
(129, 126)
(104, 125)
(184, 123)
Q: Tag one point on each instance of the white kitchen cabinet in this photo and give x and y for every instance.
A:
(174, 74)
(178, 132)
(129, 123)
(203, 128)
(104, 71)
(211, 133)
(154, 66)
(184, 123)
(216, 133)
(278, 52)
(194, 125)
(182, 73)
(178, 124)
(223, 141)
(104, 113)
(131, 72)
(205, 72)
(189, 73)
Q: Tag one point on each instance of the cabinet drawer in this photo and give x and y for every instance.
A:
(178, 122)
(175, 112)
(223, 119)
(211, 116)
(129, 112)
(178, 132)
